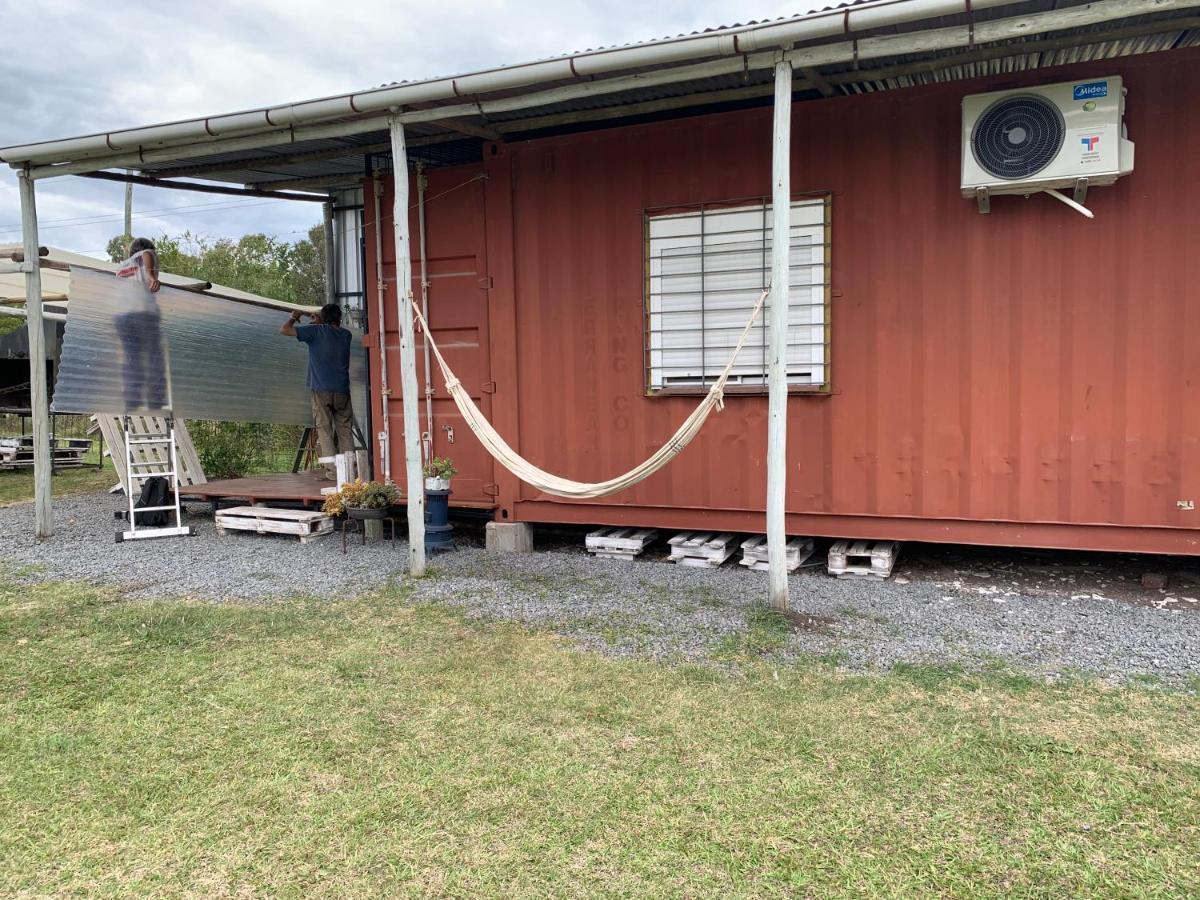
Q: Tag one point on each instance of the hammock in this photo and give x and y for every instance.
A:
(579, 490)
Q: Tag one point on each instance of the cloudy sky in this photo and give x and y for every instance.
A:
(71, 67)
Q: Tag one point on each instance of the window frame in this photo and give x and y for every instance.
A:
(825, 388)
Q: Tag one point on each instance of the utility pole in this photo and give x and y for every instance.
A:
(128, 217)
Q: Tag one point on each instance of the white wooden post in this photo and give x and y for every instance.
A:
(408, 353)
(42, 512)
(781, 232)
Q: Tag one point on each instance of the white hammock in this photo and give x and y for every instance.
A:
(563, 487)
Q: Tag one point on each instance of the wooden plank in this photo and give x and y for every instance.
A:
(264, 526)
(268, 512)
(110, 429)
(192, 472)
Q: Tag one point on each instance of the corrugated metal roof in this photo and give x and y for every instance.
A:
(878, 75)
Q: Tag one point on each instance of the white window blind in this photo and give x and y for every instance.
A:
(706, 269)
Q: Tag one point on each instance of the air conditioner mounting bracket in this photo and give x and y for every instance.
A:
(983, 199)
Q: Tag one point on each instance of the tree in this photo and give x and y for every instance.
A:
(257, 263)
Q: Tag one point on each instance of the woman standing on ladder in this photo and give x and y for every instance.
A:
(140, 329)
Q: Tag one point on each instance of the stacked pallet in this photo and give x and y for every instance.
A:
(620, 543)
(754, 553)
(702, 548)
(305, 524)
(67, 453)
(863, 559)
(151, 459)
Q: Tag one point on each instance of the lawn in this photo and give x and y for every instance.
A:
(17, 486)
(373, 748)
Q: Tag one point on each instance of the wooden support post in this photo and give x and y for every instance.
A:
(330, 268)
(43, 515)
(781, 232)
(408, 353)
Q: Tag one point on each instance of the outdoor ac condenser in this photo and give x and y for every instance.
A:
(1069, 135)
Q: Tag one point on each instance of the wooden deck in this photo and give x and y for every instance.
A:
(301, 488)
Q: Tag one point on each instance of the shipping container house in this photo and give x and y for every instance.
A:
(1016, 378)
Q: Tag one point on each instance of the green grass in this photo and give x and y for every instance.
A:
(369, 748)
(17, 486)
(767, 630)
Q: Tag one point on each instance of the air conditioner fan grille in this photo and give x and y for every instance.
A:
(1018, 136)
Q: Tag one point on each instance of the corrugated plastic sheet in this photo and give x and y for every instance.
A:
(226, 358)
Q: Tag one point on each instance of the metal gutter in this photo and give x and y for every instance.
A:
(723, 43)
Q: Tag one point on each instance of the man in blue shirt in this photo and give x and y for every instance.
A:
(328, 378)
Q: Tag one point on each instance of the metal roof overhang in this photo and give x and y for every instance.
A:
(315, 147)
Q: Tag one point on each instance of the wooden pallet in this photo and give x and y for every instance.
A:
(303, 523)
(67, 453)
(754, 553)
(113, 429)
(702, 548)
(620, 543)
(863, 559)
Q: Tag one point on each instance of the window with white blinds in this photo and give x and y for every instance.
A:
(706, 268)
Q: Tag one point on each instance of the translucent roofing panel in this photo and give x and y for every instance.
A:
(225, 358)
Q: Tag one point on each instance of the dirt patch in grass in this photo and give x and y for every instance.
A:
(802, 622)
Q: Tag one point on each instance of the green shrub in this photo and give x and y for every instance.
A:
(234, 449)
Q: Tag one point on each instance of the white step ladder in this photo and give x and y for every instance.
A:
(138, 470)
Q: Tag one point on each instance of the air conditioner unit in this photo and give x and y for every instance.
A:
(1035, 139)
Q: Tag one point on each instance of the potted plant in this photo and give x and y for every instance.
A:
(438, 472)
(360, 499)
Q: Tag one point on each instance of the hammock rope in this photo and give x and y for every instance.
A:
(564, 487)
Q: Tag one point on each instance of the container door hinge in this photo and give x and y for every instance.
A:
(488, 387)
(486, 283)
(492, 490)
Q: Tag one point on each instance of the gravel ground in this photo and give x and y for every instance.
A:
(1048, 615)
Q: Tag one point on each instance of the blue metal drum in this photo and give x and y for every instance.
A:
(439, 533)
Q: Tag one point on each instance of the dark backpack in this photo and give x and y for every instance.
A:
(156, 491)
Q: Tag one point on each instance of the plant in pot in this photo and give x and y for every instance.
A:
(438, 472)
(439, 533)
(360, 499)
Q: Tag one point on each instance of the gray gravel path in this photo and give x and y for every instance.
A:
(933, 611)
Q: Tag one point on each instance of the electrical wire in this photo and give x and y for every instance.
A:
(179, 210)
(146, 212)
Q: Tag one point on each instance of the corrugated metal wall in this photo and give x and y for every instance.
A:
(1025, 377)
